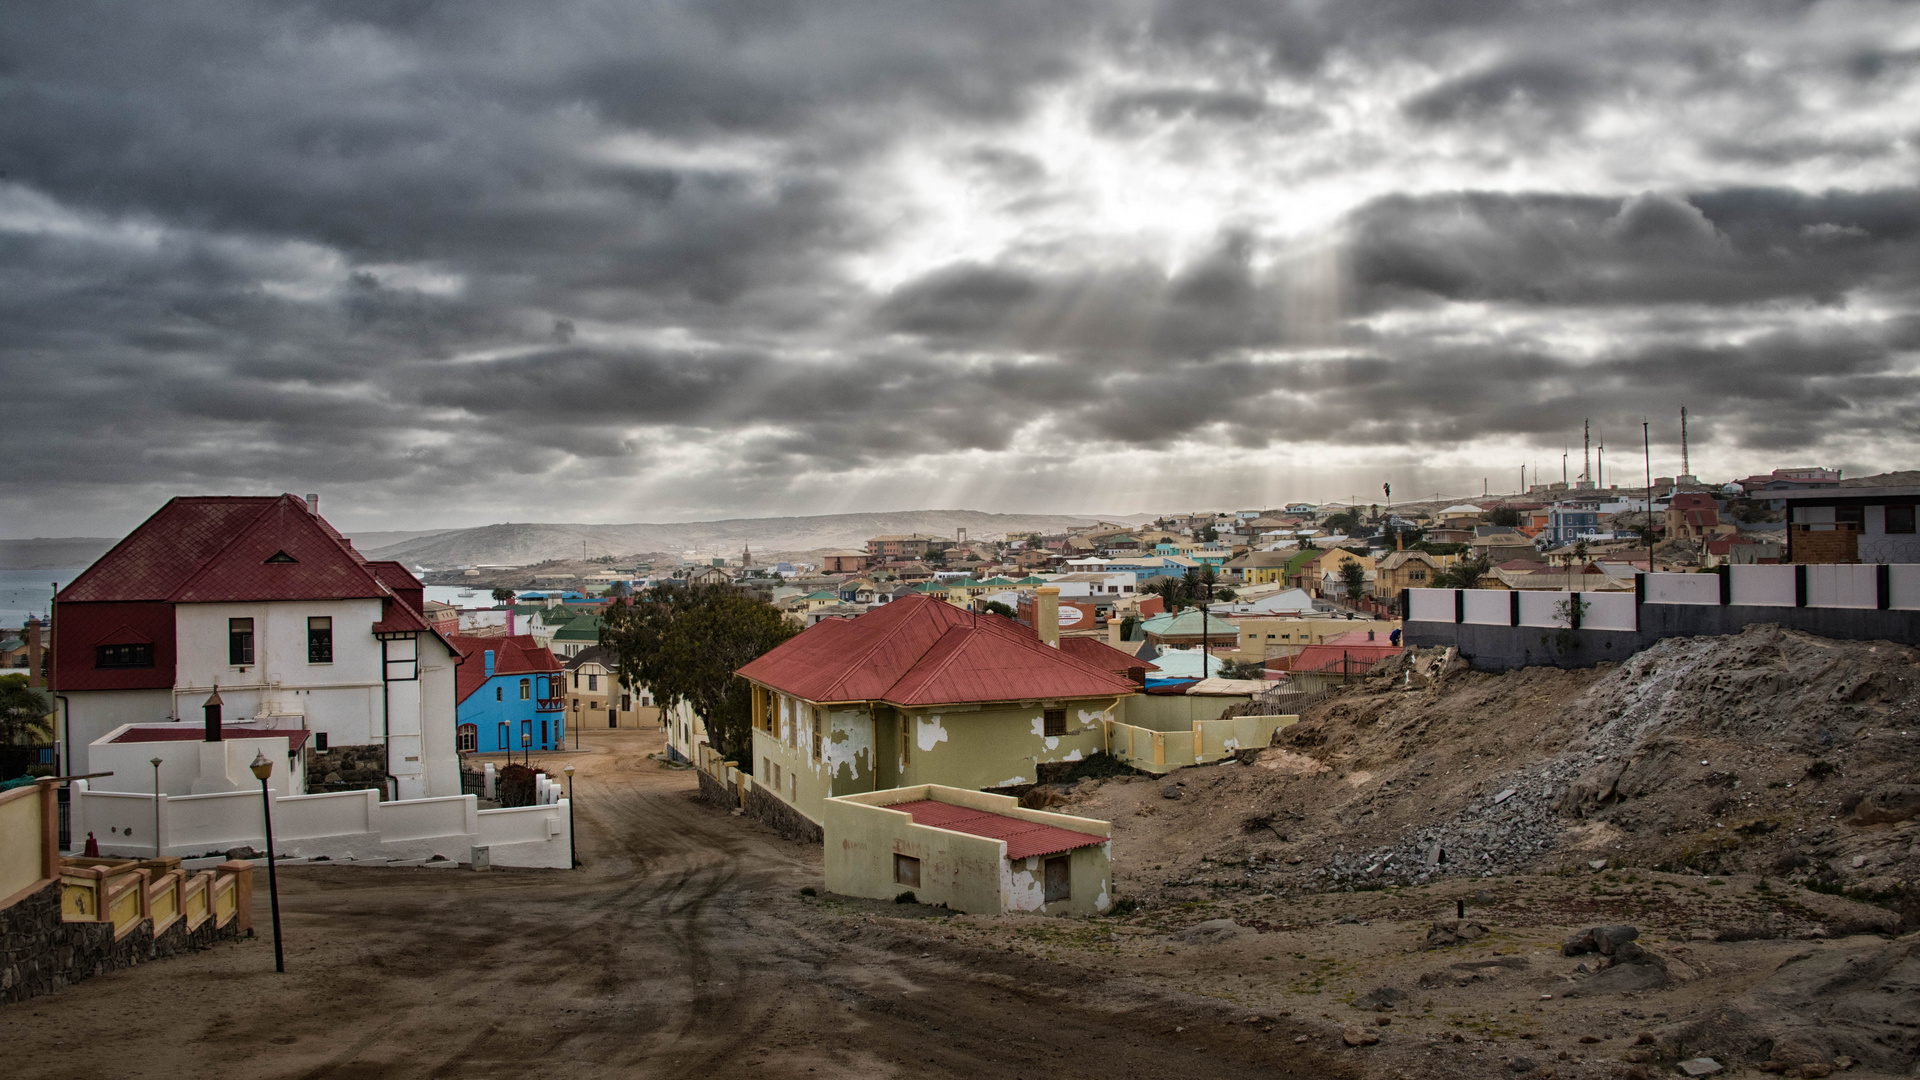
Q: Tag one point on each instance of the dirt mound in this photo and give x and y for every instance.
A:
(1772, 752)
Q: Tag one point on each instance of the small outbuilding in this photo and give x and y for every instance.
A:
(968, 850)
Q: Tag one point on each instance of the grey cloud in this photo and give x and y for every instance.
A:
(1555, 90)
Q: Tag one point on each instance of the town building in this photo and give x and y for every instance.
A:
(597, 696)
(511, 696)
(905, 545)
(1852, 524)
(261, 598)
(918, 692)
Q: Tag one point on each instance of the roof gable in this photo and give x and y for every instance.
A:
(165, 550)
(321, 567)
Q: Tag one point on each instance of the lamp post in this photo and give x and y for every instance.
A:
(156, 808)
(263, 768)
(573, 845)
(526, 748)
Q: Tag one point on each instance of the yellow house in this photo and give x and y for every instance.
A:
(1330, 562)
(1408, 570)
(1265, 638)
(918, 692)
(597, 698)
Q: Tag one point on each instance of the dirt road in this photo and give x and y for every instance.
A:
(683, 948)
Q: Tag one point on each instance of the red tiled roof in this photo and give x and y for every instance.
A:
(212, 549)
(517, 655)
(922, 651)
(1025, 839)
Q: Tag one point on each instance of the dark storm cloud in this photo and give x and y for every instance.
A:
(416, 246)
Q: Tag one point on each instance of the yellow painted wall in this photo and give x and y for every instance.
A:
(21, 860)
(964, 872)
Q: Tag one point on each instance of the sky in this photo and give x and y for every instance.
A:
(573, 260)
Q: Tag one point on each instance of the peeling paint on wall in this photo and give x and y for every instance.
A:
(1011, 782)
(1072, 755)
(930, 732)
(1021, 886)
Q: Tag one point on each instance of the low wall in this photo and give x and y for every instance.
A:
(345, 825)
(782, 818)
(1203, 741)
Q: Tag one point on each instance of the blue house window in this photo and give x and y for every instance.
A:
(499, 694)
(526, 689)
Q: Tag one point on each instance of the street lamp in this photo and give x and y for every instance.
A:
(156, 808)
(573, 846)
(263, 768)
(526, 748)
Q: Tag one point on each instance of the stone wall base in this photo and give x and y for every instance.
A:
(715, 793)
(347, 768)
(781, 818)
(40, 954)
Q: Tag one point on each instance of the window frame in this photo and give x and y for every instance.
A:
(526, 689)
(137, 654)
(240, 643)
(1053, 723)
(466, 738)
(320, 639)
(906, 870)
(1907, 511)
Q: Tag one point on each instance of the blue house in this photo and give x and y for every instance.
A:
(511, 696)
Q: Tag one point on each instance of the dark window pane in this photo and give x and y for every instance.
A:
(1899, 519)
(239, 641)
(320, 641)
(123, 656)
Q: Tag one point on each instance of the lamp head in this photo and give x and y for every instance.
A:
(155, 762)
(262, 768)
(568, 770)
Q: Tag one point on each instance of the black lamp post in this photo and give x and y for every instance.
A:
(526, 748)
(262, 768)
(573, 845)
(157, 853)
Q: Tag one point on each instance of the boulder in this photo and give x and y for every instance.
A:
(1887, 804)
(1447, 932)
(1355, 1035)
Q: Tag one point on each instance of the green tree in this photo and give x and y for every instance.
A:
(995, 607)
(1354, 577)
(23, 712)
(504, 596)
(1504, 515)
(1343, 522)
(1209, 534)
(685, 643)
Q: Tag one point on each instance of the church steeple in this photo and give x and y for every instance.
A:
(746, 555)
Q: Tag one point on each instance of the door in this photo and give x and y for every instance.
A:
(1059, 878)
(613, 718)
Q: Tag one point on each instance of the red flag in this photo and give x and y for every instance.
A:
(1387, 490)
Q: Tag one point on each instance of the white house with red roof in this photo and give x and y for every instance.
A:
(261, 598)
(920, 692)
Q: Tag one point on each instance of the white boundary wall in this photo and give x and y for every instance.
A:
(340, 825)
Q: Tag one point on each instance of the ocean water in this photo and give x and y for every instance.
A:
(29, 592)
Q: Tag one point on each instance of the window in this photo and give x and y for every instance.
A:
(239, 641)
(320, 640)
(593, 683)
(1054, 721)
(1855, 516)
(626, 702)
(906, 871)
(543, 734)
(526, 689)
(819, 723)
(1059, 878)
(1900, 519)
(123, 656)
(499, 694)
(467, 739)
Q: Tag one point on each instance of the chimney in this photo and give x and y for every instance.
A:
(1046, 614)
(489, 663)
(211, 714)
(313, 505)
(34, 653)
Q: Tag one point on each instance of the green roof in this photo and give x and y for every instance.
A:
(998, 581)
(580, 628)
(824, 594)
(1031, 580)
(930, 587)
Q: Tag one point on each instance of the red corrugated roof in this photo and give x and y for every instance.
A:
(1351, 647)
(517, 655)
(922, 651)
(1103, 656)
(1025, 839)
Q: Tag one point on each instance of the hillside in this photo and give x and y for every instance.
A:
(53, 553)
(523, 544)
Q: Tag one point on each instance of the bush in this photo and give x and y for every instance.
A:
(906, 898)
(514, 786)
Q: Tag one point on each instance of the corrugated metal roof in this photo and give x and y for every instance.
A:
(921, 651)
(1025, 839)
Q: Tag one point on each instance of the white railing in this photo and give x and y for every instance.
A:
(1857, 586)
(338, 825)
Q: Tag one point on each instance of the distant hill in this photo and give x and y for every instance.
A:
(525, 544)
(53, 553)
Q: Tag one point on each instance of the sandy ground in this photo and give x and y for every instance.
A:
(685, 947)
